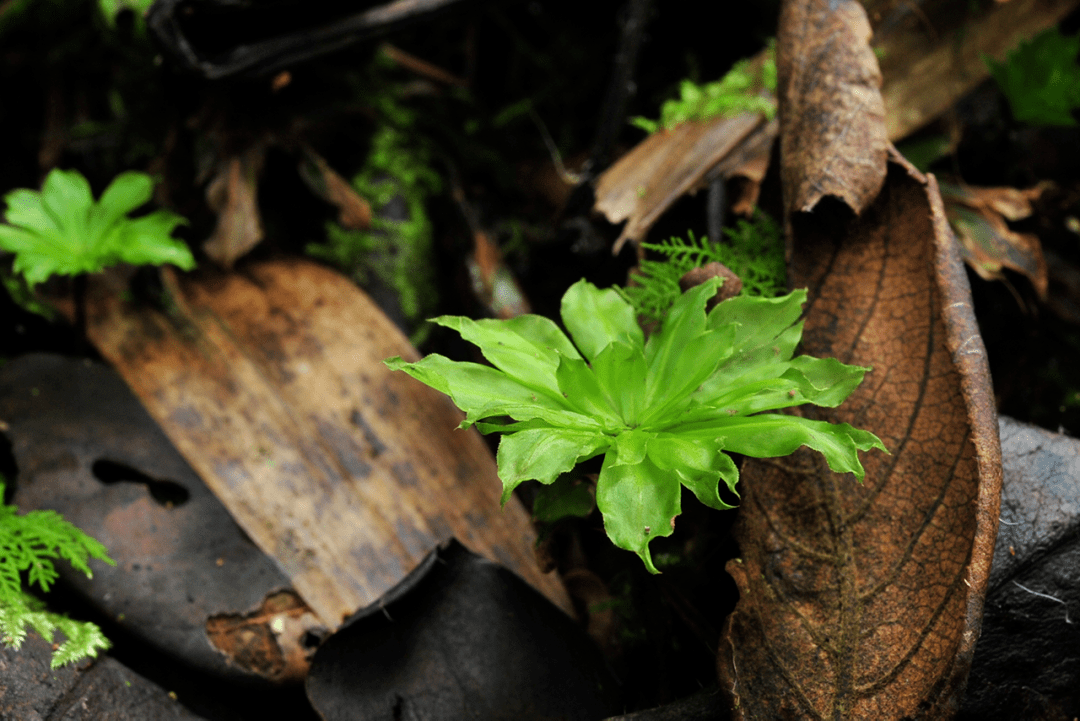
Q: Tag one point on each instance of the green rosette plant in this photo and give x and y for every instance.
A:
(665, 412)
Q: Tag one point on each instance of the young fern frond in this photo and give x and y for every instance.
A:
(29, 543)
(754, 251)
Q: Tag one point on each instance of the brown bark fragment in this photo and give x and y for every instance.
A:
(667, 165)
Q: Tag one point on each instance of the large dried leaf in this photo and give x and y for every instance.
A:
(832, 118)
(863, 600)
(270, 383)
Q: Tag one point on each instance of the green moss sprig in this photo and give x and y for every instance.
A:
(739, 91)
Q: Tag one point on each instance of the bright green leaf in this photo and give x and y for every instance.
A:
(770, 436)
(582, 390)
(664, 414)
(620, 371)
(666, 351)
(1041, 78)
(483, 392)
(518, 356)
(596, 318)
(631, 445)
(639, 502)
(542, 455)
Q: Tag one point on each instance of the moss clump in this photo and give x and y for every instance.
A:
(397, 180)
(739, 91)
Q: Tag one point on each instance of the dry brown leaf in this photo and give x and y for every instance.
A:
(354, 213)
(750, 176)
(644, 183)
(271, 385)
(492, 281)
(979, 215)
(233, 195)
(832, 118)
(863, 600)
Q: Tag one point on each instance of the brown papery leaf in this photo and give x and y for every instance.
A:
(271, 384)
(987, 244)
(832, 140)
(863, 600)
(670, 163)
(233, 195)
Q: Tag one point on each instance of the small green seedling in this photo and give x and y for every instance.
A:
(664, 412)
(61, 230)
(1041, 78)
(28, 543)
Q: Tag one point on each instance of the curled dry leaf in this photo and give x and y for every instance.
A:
(864, 600)
(833, 139)
(233, 195)
(979, 215)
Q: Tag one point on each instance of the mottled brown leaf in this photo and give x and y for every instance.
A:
(863, 600)
(832, 139)
(271, 385)
(987, 244)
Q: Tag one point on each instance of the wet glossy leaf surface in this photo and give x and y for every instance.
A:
(1027, 661)
(104, 689)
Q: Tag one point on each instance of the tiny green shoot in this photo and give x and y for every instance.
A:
(665, 413)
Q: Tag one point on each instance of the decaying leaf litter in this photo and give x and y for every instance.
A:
(892, 207)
